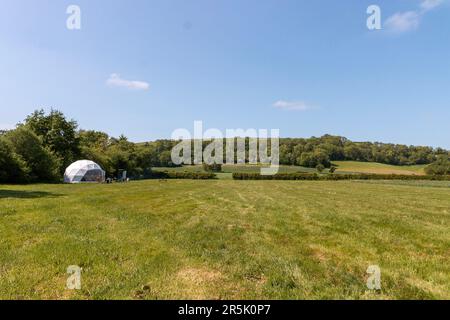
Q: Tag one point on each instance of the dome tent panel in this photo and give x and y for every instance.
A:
(93, 175)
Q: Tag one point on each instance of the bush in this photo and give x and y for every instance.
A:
(216, 167)
(320, 168)
(42, 163)
(12, 167)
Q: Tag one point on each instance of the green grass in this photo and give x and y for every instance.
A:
(224, 239)
(228, 170)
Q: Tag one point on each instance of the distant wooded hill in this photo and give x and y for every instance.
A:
(310, 152)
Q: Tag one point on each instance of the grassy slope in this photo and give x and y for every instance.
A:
(225, 239)
(379, 168)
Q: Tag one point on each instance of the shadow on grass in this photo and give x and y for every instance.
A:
(22, 194)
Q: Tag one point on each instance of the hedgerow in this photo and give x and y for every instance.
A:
(334, 177)
(182, 175)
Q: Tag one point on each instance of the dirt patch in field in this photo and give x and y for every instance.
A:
(199, 283)
(198, 275)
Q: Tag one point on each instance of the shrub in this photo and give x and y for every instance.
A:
(216, 167)
(12, 167)
(320, 168)
(42, 163)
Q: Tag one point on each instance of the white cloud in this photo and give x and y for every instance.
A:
(410, 20)
(292, 105)
(115, 80)
(430, 4)
(403, 22)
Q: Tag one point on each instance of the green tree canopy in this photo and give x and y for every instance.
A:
(13, 169)
(440, 167)
(57, 133)
(42, 163)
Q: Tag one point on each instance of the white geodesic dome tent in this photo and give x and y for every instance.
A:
(84, 171)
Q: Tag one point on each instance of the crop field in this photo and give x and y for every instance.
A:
(224, 239)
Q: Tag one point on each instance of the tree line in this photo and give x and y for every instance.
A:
(323, 150)
(44, 144)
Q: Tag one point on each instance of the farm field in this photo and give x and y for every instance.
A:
(378, 168)
(224, 239)
(228, 170)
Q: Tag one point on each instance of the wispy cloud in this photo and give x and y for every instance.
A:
(293, 105)
(430, 4)
(115, 80)
(401, 22)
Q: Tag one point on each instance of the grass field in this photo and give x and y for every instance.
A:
(224, 239)
(378, 168)
(228, 170)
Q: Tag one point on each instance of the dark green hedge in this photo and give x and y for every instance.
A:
(182, 175)
(314, 176)
(280, 176)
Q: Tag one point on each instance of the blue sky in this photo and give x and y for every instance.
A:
(304, 67)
